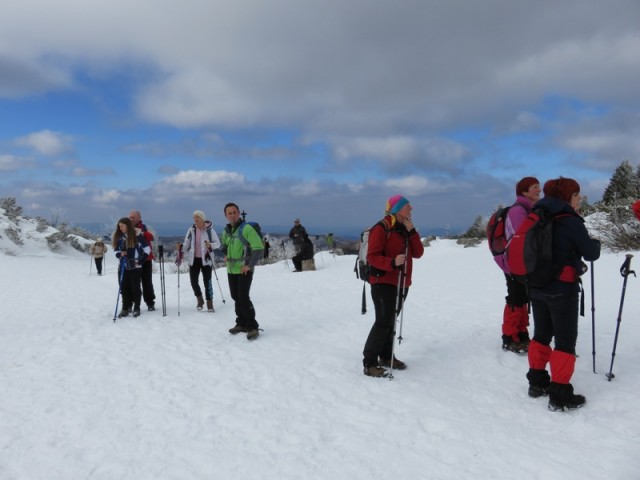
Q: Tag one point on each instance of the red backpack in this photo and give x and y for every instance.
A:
(496, 231)
(529, 253)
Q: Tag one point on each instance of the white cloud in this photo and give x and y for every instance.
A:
(10, 163)
(400, 152)
(204, 179)
(47, 142)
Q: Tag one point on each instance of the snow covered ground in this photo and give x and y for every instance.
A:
(178, 397)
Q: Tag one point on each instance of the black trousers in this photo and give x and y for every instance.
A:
(130, 289)
(380, 340)
(556, 315)
(240, 287)
(98, 261)
(147, 283)
(194, 273)
(516, 292)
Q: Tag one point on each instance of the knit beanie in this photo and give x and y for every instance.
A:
(200, 213)
(395, 204)
(525, 184)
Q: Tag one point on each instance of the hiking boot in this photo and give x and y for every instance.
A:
(538, 382)
(561, 397)
(123, 313)
(237, 329)
(510, 345)
(200, 303)
(151, 307)
(397, 364)
(536, 391)
(524, 339)
(210, 306)
(253, 334)
(136, 312)
(375, 371)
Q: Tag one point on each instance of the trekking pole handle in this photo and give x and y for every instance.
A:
(625, 269)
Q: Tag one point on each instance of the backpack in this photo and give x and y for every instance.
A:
(256, 227)
(529, 253)
(496, 237)
(362, 268)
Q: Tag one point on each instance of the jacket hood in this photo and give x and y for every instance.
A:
(555, 206)
(207, 224)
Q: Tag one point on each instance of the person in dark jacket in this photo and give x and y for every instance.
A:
(146, 276)
(556, 306)
(393, 244)
(297, 235)
(305, 253)
(131, 249)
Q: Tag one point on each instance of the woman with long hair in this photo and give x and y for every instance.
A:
(131, 249)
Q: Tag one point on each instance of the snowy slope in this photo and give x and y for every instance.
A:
(177, 397)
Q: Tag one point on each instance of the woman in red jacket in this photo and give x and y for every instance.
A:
(393, 244)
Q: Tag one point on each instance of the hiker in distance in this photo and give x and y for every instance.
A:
(132, 250)
(199, 243)
(556, 305)
(305, 252)
(297, 235)
(243, 249)
(98, 250)
(393, 244)
(146, 276)
(515, 317)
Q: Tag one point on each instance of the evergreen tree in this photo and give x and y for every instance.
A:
(623, 186)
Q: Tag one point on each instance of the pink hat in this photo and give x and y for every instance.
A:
(395, 204)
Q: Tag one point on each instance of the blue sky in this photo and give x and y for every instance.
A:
(317, 109)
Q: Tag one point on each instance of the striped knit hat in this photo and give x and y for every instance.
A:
(395, 204)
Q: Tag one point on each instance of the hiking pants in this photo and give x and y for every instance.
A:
(380, 340)
(147, 283)
(239, 287)
(555, 315)
(130, 288)
(194, 273)
(98, 261)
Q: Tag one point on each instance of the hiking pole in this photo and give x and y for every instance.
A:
(218, 281)
(178, 263)
(624, 271)
(404, 294)
(395, 321)
(90, 263)
(120, 278)
(593, 319)
(399, 303)
(162, 280)
(284, 253)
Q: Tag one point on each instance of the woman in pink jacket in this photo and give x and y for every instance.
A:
(515, 318)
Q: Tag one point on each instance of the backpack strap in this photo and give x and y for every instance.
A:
(240, 228)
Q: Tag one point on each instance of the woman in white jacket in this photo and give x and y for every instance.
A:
(199, 243)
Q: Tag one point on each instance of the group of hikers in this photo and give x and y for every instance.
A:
(241, 245)
(393, 244)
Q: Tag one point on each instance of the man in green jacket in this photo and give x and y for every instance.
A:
(243, 249)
